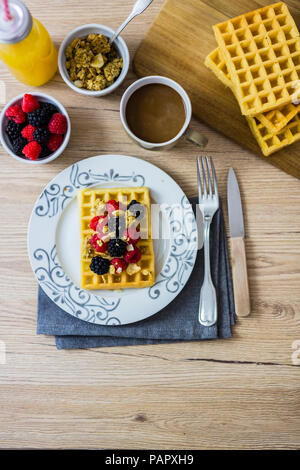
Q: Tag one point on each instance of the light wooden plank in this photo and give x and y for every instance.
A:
(238, 393)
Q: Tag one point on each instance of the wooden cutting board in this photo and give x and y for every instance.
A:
(176, 45)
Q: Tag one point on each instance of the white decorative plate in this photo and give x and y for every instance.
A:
(53, 241)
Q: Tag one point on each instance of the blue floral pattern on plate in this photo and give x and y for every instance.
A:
(181, 255)
(54, 197)
(111, 309)
(64, 293)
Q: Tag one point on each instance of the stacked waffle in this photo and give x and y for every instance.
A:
(258, 57)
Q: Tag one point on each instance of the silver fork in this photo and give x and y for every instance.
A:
(208, 204)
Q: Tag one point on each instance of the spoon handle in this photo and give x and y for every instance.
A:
(138, 8)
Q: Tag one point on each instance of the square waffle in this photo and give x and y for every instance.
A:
(90, 202)
(268, 142)
(215, 61)
(262, 52)
(274, 120)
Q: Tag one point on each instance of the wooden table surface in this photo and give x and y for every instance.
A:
(231, 394)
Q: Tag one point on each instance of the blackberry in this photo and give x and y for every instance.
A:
(38, 118)
(49, 107)
(18, 144)
(45, 152)
(116, 248)
(117, 225)
(136, 208)
(99, 265)
(41, 135)
(13, 129)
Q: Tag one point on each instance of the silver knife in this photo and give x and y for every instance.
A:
(238, 253)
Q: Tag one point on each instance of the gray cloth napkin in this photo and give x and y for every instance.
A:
(176, 322)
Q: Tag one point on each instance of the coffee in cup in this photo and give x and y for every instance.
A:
(156, 112)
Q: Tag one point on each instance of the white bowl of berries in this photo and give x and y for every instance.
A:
(35, 128)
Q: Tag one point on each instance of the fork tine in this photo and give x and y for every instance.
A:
(204, 179)
(209, 177)
(214, 177)
(199, 179)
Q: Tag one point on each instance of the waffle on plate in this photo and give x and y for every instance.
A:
(115, 231)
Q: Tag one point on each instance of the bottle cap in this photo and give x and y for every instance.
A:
(16, 29)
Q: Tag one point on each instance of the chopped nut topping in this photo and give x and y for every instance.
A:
(130, 220)
(132, 268)
(112, 269)
(99, 207)
(106, 238)
(88, 251)
(118, 213)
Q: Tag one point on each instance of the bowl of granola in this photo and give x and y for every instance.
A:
(89, 64)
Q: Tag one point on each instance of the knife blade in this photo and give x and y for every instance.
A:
(235, 210)
(238, 252)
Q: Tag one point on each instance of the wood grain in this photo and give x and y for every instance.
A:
(233, 394)
(176, 46)
(240, 277)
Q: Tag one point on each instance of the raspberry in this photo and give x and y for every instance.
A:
(29, 103)
(58, 124)
(27, 132)
(94, 222)
(131, 235)
(102, 230)
(54, 142)
(113, 205)
(98, 244)
(133, 256)
(119, 264)
(16, 114)
(32, 150)
(97, 222)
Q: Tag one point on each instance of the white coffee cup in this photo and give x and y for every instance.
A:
(191, 135)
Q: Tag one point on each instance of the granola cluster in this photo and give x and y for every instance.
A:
(92, 63)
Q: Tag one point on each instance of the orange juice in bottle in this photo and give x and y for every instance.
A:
(25, 45)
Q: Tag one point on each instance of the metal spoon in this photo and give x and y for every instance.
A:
(138, 8)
